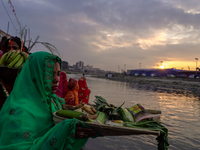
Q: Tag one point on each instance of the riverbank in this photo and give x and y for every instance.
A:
(171, 85)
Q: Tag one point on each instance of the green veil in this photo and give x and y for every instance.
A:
(26, 120)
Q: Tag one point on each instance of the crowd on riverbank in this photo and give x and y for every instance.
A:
(171, 85)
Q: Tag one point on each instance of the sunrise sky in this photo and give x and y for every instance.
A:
(112, 33)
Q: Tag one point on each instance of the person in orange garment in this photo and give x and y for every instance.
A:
(84, 91)
(72, 96)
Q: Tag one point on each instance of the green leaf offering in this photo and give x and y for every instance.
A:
(153, 125)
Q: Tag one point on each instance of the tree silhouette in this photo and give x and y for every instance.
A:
(64, 65)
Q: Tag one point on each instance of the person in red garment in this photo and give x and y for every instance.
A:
(62, 88)
(72, 96)
(84, 91)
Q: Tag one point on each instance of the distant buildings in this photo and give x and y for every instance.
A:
(79, 65)
(98, 71)
(171, 72)
(88, 67)
(153, 72)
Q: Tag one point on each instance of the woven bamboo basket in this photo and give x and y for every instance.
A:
(110, 130)
(8, 75)
(7, 79)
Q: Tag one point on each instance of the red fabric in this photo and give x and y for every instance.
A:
(62, 88)
(84, 91)
(72, 96)
(1, 53)
(9, 87)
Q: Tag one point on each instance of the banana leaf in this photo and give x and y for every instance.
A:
(111, 111)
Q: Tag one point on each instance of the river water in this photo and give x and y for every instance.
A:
(180, 115)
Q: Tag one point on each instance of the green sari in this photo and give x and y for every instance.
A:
(26, 118)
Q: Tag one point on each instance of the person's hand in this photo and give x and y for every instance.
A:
(79, 106)
(84, 133)
(67, 107)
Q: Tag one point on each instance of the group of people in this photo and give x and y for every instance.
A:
(40, 89)
(74, 92)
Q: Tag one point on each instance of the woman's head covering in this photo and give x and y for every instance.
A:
(73, 84)
(84, 91)
(16, 40)
(62, 88)
(34, 82)
(82, 83)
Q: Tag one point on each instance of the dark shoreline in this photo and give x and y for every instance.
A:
(170, 85)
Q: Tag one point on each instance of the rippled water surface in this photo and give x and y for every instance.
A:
(180, 114)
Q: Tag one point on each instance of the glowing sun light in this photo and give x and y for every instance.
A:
(162, 67)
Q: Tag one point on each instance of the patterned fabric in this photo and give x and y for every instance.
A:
(72, 96)
(62, 88)
(26, 117)
(84, 91)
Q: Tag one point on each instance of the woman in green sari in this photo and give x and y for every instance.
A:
(26, 118)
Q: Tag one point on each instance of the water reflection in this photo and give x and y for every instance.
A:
(180, 114)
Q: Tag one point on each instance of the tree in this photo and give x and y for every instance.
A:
(64, 65)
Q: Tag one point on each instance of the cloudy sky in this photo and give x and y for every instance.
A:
(112, 34)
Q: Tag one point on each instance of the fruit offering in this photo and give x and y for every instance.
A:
(13, 59)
